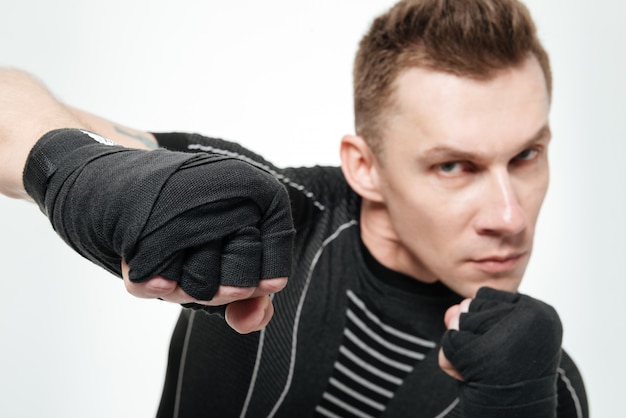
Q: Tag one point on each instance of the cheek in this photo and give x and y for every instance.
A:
(424, 214)
(429, 221)
(533, 197)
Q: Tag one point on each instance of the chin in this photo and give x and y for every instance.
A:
(469, 290)
(506, 285)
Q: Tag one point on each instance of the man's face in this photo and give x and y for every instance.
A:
(463, 174)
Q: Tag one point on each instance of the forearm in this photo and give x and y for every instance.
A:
(28, 110)
(122, 135)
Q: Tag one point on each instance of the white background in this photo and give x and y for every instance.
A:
(276, 76)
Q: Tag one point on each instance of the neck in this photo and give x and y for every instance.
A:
(383, 243)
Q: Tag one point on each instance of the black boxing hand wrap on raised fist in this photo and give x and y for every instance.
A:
(508, 349)
(202, 220)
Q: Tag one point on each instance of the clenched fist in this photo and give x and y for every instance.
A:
(202, 220)
(505, 348)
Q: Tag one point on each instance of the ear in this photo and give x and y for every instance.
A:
(360, 167)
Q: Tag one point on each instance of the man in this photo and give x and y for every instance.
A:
(430, 217)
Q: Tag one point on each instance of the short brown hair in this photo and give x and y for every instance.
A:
(470, 38)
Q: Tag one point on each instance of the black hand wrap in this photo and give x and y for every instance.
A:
(507, 349)
(200, 219)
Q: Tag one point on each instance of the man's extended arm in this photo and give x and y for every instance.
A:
(28, 112)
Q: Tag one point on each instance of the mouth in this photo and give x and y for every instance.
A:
(500, 263)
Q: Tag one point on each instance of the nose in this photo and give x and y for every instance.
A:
(500, 213)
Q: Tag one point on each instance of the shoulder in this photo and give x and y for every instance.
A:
(571, 390)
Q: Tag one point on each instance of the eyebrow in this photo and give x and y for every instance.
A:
(449, 152)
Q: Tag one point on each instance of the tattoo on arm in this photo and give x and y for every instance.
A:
(141, 138)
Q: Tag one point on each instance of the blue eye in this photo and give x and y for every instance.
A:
(451, 167)
(527, 154)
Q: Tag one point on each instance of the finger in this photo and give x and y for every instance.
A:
(249, 315)
(277, 234)
(497, 295)
(241, 258)
(453, 314)
(229, 294)
(157, 287)
(223, 296)
(465, 305)
(451, 317)
(179, 296)
(482, 305)
(200, 277)
(483, 321)
(270, 286)
(447, 367)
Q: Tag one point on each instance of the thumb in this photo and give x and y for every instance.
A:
(452, 319)
(249, 315)
(447, 367)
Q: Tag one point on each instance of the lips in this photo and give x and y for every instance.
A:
(499, 264)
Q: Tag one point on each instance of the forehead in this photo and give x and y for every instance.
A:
(431, 108)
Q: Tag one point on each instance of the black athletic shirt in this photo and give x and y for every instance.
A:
(349, 338)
